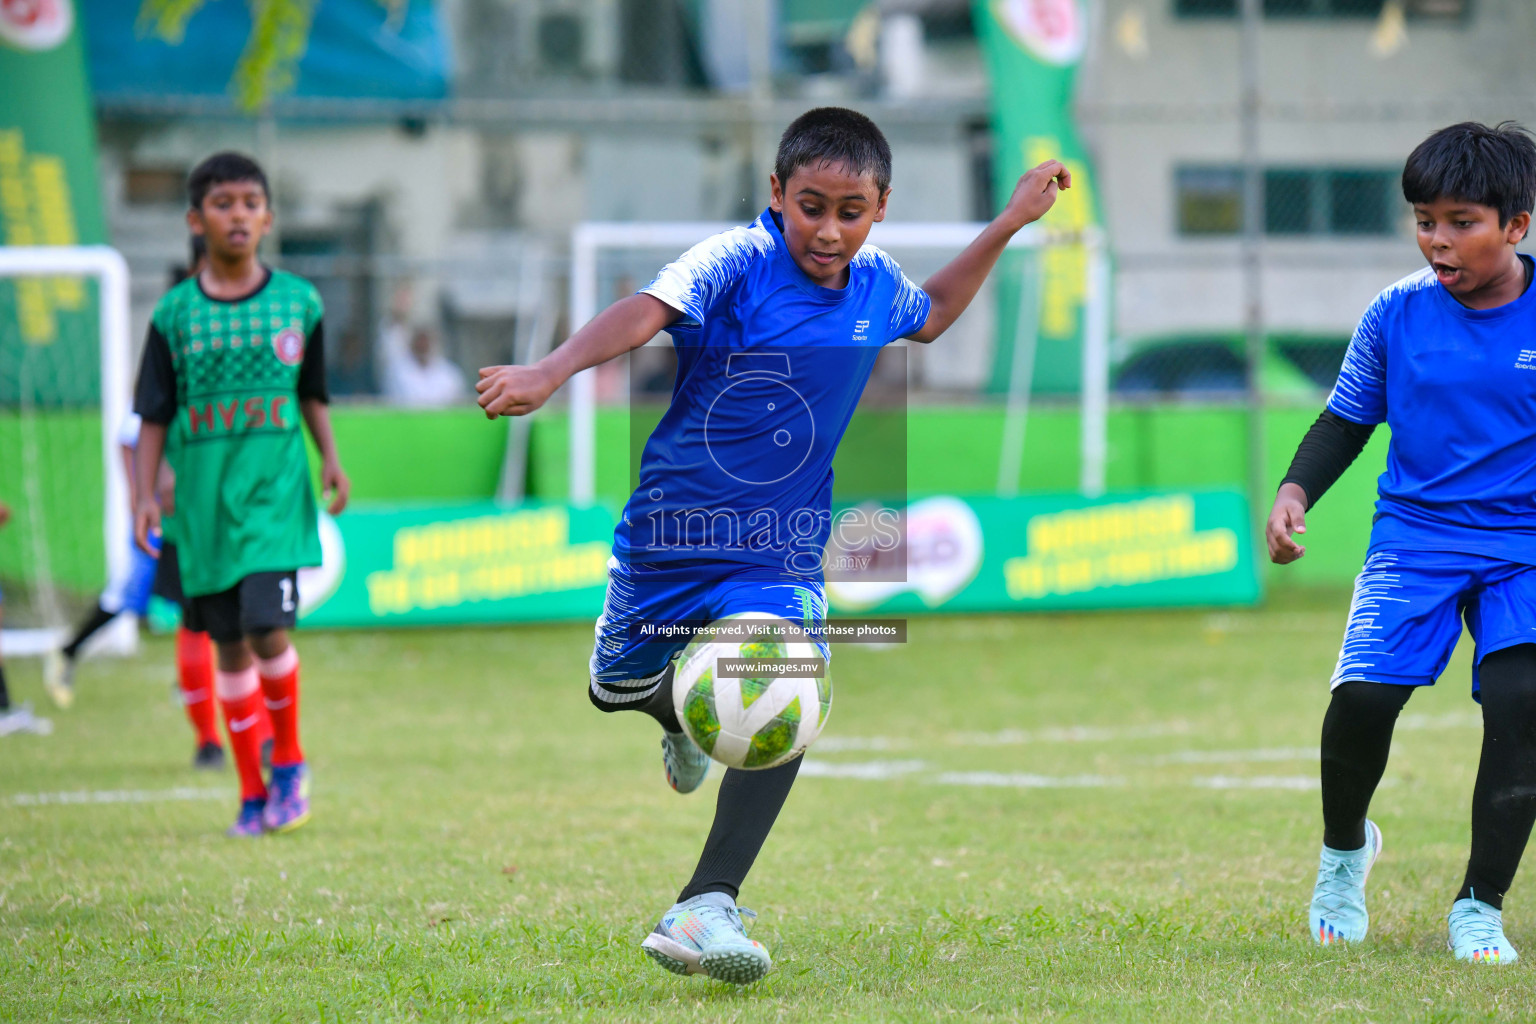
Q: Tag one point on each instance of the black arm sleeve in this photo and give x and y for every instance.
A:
(154, 398)
(1325, 453)
(312, 369)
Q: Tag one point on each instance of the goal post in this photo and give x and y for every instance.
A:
(591, 239)
(22, 265)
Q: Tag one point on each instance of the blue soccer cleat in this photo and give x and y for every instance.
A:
(704, 935)
(685, 764)
(1338, 898)
(287, 798)
(1477, 933)
(248, 824)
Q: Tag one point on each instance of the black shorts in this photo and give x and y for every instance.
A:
(168, 575)
(260, 603)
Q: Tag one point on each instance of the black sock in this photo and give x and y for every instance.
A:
(655, 699)
(1504, 799)
(1357, 736)
(748, 805)
(98, 618)
(5, 694)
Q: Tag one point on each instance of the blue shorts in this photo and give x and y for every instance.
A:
(1408, 608)
(696, 594)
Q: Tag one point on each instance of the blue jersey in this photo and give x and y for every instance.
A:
(769, 369)
(1457, 387)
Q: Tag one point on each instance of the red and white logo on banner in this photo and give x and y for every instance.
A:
(1053, 30)
(36, 24)
(289, 346)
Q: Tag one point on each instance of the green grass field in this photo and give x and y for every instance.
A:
(1097, 817)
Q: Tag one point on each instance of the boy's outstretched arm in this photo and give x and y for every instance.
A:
(953, 287)
(334, 483)
(625, 325)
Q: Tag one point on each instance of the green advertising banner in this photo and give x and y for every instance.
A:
(49, 195)
(484, 563)
(458, 564)
(1064, 552)
(1032, 50)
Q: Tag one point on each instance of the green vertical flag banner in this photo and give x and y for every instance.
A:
(49, 195)
(1032, 50)
(50, 361)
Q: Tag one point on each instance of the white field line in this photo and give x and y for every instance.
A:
(868, 770)
(1009, 737)
(1297, 782)
(1024, 780)
(1231, 756)
(881, 771)
(118, 796)
(1110, 734)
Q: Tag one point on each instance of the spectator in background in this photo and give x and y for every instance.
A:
(416, 373)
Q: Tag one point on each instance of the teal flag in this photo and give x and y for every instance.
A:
(1032, 50)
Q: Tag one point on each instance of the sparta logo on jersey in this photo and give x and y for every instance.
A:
(289, 346)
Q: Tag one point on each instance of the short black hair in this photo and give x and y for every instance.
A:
(834, 135)
(222, 168)
(1470, 161)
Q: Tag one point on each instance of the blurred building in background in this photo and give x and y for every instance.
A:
(452, 146)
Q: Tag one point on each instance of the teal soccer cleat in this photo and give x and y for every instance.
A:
(704, 935)
(1338, 898)
(1477, 933)
(685, 764)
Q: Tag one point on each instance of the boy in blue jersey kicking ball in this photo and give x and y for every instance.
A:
(1447, 358)
(776, 328)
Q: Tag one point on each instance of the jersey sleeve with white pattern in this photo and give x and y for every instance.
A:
(1360, 394)
(910, 305)
(699, 278)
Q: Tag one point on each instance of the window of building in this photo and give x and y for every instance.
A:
(1297, 200)
(1417, 9)
(1210, 200)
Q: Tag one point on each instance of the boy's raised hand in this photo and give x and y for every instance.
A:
(513, 390)
(1036, 193)
(1287, 517)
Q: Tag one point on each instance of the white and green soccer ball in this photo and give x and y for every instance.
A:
(758, 721)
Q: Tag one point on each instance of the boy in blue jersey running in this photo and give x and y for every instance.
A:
(1447, 358)
(776, 327)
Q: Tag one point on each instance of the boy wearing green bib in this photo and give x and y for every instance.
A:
(233, 363)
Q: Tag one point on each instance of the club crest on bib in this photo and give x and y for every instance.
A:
(289, 346)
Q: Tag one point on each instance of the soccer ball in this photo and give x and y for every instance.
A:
(756, 721)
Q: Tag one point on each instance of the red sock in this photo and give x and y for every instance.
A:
(240, 697)
(280, 685)
(194, 673)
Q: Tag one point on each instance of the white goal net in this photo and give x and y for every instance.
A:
(612, 259)
(64, 391)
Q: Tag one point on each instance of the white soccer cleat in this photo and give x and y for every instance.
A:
(59, 678)
(1477, 933)
(685, 764)
(704, 935)
(1338, 914)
